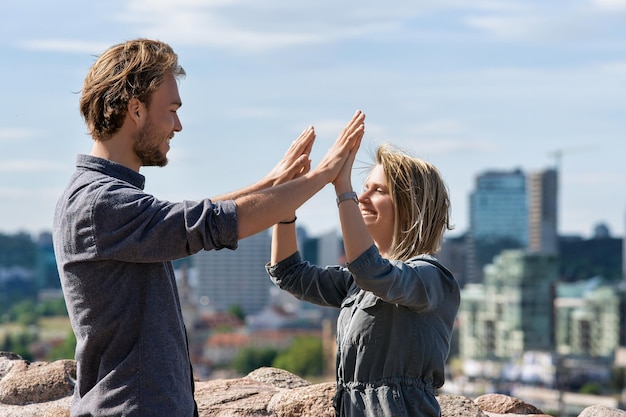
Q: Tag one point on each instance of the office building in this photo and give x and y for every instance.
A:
(234, 278)
(511, 312)
(587, 317)
(624, 249)
(498, 219)
(542, 212)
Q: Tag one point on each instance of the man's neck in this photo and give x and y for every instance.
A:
(117, 150)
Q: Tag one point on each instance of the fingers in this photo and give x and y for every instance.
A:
(304, 142)
(295, 161)
(354, 124)
(309, 139)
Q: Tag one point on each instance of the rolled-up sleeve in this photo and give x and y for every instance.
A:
(211, 225)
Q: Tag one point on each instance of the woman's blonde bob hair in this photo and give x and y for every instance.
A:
(420, 200)
(134, 69)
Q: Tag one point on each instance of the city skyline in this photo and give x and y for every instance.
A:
(469, 87)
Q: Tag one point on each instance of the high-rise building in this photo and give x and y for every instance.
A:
(511, 312)
(542, 212)
(498, 206)
(228, 278)
(498, 219)
(624, 249)
(587, 317)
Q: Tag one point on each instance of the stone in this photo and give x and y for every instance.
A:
(504, 404)
(56, 412)
(41, 389)
(233, 397)
(601, 411)
(7, 360)
(458, 406)
(37, 382)
(305, 401)
(278, 378)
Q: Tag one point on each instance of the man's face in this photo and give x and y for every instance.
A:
(153, 139)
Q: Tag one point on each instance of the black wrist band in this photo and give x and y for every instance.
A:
(289, 222)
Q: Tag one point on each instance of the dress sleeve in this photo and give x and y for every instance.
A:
(418, 283)
(323, 286)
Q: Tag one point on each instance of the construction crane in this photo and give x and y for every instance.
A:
(558, 154)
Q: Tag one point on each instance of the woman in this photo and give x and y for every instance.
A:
(398, 303)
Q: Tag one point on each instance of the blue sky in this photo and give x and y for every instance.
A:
(469, 86)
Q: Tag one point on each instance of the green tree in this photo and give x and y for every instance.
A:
(237, 311)
(65, 350)
(249, 359)
(19, 343)
(25, 312)
(591, 388)
(17, 250)
(52, 308)
(305, 357)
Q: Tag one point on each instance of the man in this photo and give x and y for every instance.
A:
(114, 243)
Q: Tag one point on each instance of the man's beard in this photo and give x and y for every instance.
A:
(146, 149)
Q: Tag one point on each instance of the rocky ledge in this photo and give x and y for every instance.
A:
(42, 389)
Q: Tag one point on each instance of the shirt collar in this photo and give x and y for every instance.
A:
(112, 169)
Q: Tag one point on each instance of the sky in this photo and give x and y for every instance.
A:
(487, 85)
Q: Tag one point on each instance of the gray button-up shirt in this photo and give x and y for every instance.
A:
(113, 244)
(393, 330)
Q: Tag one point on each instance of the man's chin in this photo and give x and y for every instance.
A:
(155, 162)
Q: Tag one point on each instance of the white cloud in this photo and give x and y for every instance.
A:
(232, 24)
(449, 145)
(246, 25)
(30, 166)
(582, 21)
(258, 26)
(598, 178)
(617, 68)
(35, 194)
(17, 133)
(438, 127)
(65, 45)
(252, 26)
(610, 5)
(509, 27)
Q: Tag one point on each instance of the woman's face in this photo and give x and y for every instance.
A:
(377, 209)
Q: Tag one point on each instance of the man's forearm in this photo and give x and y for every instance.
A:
(234, 195)
(259, 210)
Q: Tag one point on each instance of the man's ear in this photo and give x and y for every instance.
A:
(136, 110)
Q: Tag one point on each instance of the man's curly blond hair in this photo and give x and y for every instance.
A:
(134, 69)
